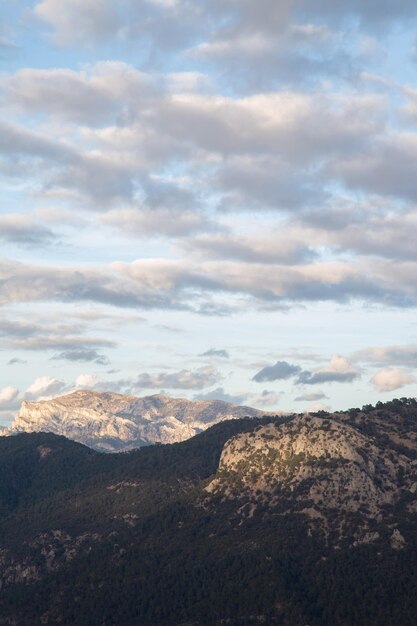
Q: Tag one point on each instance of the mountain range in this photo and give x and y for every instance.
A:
(114, 422)
(291, 520)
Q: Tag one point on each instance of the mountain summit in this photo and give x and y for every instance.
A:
(113, 422)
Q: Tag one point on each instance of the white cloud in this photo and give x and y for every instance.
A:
(318, 406)
(388, 355)
(391, 379)
(86, 381)
(8, 398)
(339, 370)
(79, 20)
(44, 388)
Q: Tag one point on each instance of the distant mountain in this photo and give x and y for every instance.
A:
(114, 422)
(304, 519)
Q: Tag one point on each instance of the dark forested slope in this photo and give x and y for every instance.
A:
(294, 521)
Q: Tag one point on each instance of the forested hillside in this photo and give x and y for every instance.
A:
(297, 520)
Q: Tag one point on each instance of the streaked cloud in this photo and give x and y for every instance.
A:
(311, 397)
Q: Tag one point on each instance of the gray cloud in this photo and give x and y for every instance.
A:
(16, 361)
(223, 354)
(311, 397)
(221, 394)
(278, 248)
(280, 371)
(171, 24)
(59, 168)
(169, 283)
(157, 223)
(338, 370)
(166, 25)
(23, 230)
(95, 98)
(84, 355)
(368, 228)
(289, 138)
(184, 379)
(371, 12)
(386, 168)
(318, 378)
(71, 338)
(388, 355)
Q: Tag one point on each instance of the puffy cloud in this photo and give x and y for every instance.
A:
(288, 136)
(95, 96)
(391, 379)
(8, 398)
(43, 388)
(339, 370)
(86, 381)
(280, 371)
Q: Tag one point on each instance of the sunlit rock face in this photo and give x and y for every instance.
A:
(332, 471)
(116, 422)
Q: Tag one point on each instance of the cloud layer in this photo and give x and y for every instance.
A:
(241, 173)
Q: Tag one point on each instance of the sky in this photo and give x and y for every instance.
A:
(210, 200)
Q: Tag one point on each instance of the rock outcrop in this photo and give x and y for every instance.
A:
(331, 469)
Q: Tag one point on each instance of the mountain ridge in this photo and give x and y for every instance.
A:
(117, 422)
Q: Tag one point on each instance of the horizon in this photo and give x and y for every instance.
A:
(208, 202)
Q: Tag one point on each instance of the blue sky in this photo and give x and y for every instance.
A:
(208, 200)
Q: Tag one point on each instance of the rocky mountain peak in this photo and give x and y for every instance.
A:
(117, 422)
(323, 468)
